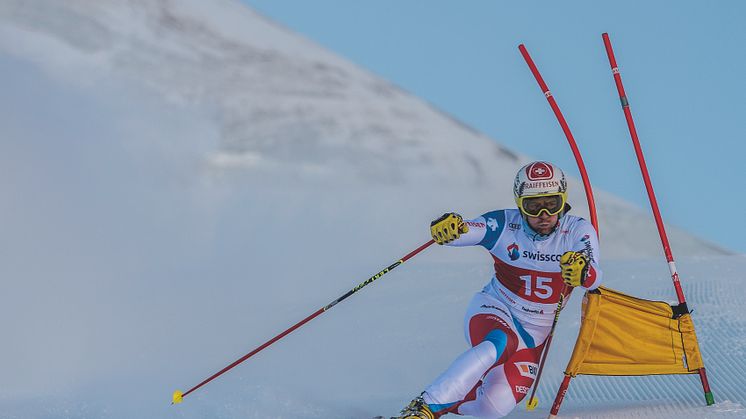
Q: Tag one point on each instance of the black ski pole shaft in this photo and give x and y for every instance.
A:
(532, 401)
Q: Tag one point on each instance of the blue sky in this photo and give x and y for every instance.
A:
(681, 62)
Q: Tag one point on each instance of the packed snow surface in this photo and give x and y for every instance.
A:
(101, 348)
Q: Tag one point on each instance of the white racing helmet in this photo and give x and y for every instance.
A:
(540, 187)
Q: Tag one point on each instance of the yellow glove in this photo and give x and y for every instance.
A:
(574, 266)
(448, 228)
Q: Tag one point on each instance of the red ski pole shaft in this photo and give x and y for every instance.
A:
(177, 396)
(651, 195)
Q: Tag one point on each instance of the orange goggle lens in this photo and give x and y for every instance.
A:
(535, 205)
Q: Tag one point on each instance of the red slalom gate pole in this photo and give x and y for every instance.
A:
(651, 195)
(178, 395)
(532, 401)
(568, 134)
(643, 168)
(560, 397)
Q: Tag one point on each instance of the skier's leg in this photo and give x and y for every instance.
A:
(504, 386)
(493, 341)
(461, 376)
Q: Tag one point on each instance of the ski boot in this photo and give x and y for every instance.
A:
(417, 409)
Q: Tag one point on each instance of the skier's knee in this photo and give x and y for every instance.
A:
(499, 339)
(490, 328)
(505, 344)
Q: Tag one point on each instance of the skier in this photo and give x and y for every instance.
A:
(536, 248)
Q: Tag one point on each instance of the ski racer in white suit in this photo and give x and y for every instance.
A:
(536, 249)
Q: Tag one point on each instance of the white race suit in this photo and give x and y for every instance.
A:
(508, 321)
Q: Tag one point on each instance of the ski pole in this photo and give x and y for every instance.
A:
(178, 395)
(709, 399)
(532, 402)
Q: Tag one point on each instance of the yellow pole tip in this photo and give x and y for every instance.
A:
(532, 403)
(178, 396)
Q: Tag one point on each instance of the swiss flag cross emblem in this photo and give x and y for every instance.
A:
(539, 171)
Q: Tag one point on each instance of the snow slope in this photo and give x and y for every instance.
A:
(272, 105)
(152, 232)
(366, 356)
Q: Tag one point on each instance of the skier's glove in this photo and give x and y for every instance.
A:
(448, 228)
(574, 266)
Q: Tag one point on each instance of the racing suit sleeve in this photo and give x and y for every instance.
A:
(477, 230)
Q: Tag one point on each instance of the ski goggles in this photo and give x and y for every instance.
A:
(551, 204)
